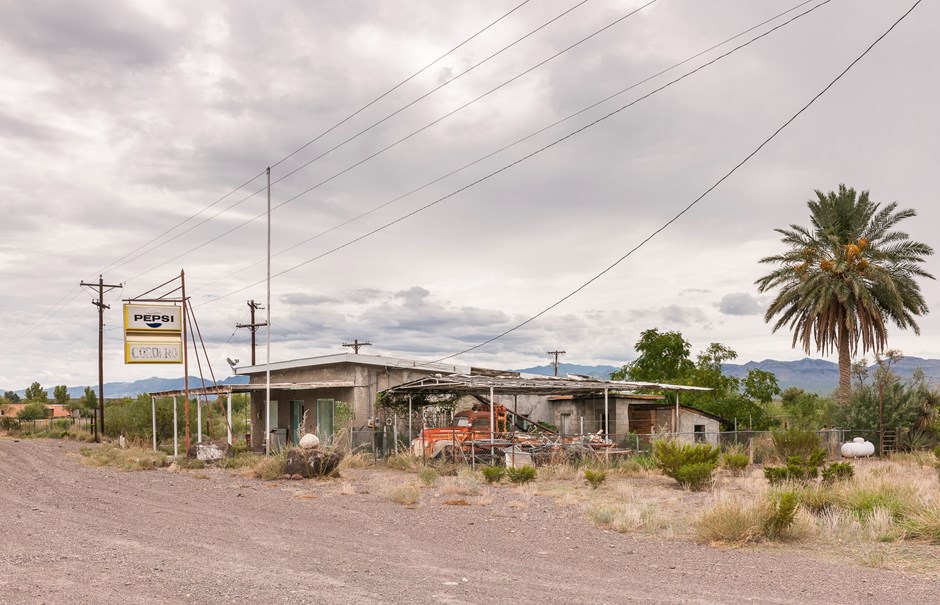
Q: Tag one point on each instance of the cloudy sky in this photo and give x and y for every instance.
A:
(126, 127)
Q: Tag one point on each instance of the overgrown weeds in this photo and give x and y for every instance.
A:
(130, 459)
(691, 465)
(269, 468)
(408, 494)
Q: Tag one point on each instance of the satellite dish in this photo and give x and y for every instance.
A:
(231, 362)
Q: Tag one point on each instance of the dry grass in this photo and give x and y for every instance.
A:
(408, 494)
(269, 468)
(360, 460)
(130, 459)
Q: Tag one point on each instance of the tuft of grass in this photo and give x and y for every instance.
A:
(623, 517)
(360, 460)
(404, 462)
(924, 524)
(521, 475)
(696, 476)
(130, 459)
(408, 494)
(595, 477)
(269, 468)
(773, 516)
(428, 475)
(239, 461)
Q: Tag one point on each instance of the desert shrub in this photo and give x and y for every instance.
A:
(594, 477)
(736, 462)
(936, 453)
(780, 514)
(9, 423)
(404, 494)
(670, 454)
(838, 471)
(799, 469)
(695, 476)
(795, 442)
(493, 474)
(428, 475)
(690, 465)
(917, 440)
(521, 475)
(357, 460)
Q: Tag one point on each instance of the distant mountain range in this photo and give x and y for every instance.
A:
(113, 390)
(813, 375)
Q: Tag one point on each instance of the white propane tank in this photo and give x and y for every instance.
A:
(858, 448)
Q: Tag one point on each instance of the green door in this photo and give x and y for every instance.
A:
(325, 420)
(296, 415)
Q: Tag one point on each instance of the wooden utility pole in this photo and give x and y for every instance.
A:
(102, 288)
(555, 362)
(253, 326)
(355, 345)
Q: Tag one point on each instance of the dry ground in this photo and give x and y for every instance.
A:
(70, 533)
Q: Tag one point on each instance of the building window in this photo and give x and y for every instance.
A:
(700, 433)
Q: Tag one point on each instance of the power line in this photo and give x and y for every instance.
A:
(391, 145)
(119, 262)
(361, 132)
(693, 203)
(521, 159)
(503, 148)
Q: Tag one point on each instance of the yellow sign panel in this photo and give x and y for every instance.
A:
(153, 334)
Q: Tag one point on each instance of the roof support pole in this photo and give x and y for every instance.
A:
(153, 417)
(176, 430)
(492, 424)
(606, 415)
(229, 417)
(676, 426)
(199, 420)
(410, 436)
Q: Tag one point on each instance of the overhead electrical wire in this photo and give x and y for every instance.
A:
(497, 151)
(119, 262)
(357, 135)
(694, 202)
(394, 144)
(523, 158)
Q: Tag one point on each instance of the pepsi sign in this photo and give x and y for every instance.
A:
(152, 318)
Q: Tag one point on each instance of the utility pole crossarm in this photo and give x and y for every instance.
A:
(555, 363)
(253, 326)
(356, 345)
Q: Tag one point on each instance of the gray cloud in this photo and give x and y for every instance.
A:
(739, 303)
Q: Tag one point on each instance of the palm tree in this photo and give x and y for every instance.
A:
(842, 280)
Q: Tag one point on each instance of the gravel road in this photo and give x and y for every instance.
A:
(76, 534)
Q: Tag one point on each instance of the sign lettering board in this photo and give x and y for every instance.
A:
(153, 334)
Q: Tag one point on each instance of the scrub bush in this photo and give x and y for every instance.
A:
(493, 474)
(521, 475)
(594, 477)
(673, 456)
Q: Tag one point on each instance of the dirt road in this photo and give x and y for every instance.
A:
(76, 534)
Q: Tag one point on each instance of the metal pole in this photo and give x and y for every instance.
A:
(185, 359)
(677, 413)
(176, 430)
(410, 437)
(492, 425)
(229, 409)
(606, 416)
(199, 420)
(395, 431)
(881, 427)
(267, 373)
(153, 416)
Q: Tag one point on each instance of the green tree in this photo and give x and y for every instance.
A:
(11, 396)
(902, 401)
(664, 357)
(33, 410)
(805, 410)
(35, 392)
(89, 402)
(60, 395)
(709, 370)
(761, 386)
(842, 280)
